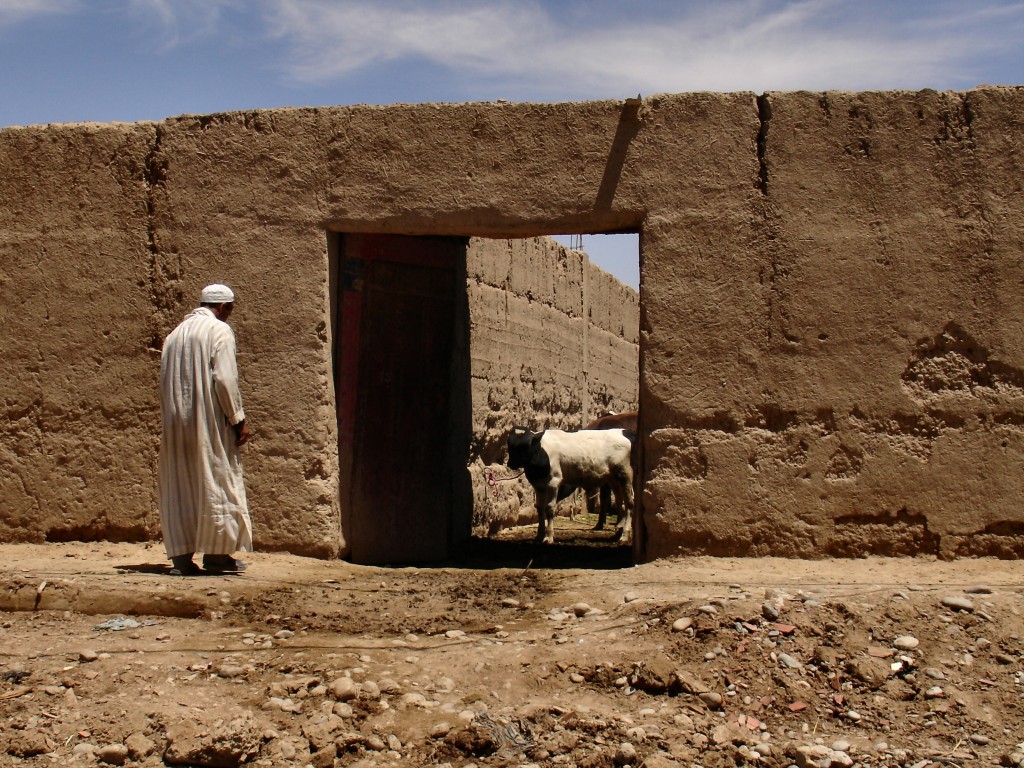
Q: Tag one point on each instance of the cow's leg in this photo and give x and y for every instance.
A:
(592, 501)
(605, 494)
(546, 498)
(564, 492)
(624, 498)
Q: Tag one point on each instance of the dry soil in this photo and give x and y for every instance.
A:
(511, 655)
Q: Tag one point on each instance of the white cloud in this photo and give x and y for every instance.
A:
(740, 45)
(12, 11)
(331, 39)
(177, 21)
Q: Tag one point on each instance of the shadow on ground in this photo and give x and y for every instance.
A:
(576, 545)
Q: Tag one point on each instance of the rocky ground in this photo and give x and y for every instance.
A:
(512, 656)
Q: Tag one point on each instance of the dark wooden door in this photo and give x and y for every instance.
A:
(400, 313)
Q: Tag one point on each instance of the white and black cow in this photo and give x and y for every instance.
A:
(556, 461)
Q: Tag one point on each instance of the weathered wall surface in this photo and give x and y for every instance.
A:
(831, 322)
(554, 343)
(77, 385)
(861, 388)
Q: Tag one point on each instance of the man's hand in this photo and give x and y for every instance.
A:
(241, 433)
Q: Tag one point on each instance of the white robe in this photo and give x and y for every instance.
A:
(202, 496)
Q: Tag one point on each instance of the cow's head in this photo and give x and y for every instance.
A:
(519, 441)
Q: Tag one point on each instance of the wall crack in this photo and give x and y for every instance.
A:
(764, 116)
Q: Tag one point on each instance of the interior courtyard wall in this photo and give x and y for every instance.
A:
(554, 343)
(830, 328)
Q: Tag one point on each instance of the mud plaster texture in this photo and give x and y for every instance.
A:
(831, 337)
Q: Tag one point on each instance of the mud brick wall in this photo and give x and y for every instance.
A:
(554, 343)
(851, 376)
(77, 385)
(831, 316)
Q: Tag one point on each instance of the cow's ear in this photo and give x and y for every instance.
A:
(536, 438)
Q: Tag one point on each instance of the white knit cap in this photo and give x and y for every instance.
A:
(216, 294)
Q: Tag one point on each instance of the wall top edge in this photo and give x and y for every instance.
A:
(648, 101)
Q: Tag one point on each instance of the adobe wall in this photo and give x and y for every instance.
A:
(844, 373)
(831, 345)
(554, 344)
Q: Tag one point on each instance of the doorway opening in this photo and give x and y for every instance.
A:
(571, 354)
(441, 345)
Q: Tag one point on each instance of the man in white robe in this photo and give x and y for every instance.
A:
(202, 496)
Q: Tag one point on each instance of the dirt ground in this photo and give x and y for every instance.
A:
(513, 655)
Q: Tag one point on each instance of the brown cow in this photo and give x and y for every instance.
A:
(628, 422)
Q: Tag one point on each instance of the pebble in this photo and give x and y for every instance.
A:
(84, 749)
(580, 609)
(770, 612)
(629, 597)
(979, 589)
(87, 654)
(113, 754)
(413, 700)
(285, 705)
(708, 609)
(906, 642)
(814, 754)
(343, 689)
(637, 733)
(625, 754)
(510, 602)
(454, 633)
(139, 747)
(958, 603)
(935, 692)
(439, 730)
(229, 670)
(711, 699)
(683, 624)
(288, 750)
(789, 661)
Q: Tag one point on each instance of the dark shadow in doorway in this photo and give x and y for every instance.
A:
(574, 547)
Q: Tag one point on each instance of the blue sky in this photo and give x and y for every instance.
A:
(130, 60)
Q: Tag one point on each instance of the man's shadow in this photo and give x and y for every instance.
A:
(164, 569)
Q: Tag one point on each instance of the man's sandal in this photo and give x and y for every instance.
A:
(223, 564)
